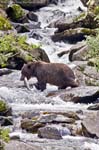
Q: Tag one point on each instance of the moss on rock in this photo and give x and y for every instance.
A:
(4, 23)
(3, 106)
(15, 46)
(4, 134)
(15, 12)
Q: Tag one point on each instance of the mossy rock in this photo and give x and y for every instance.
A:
(5, 110)
(80, 17)
(94, 62)
(15, 12)
(4, 135)
(14, 51)
(3, 106)
(32, 4)
(4, 23)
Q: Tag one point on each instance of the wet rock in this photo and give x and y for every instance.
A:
(35, 35)
(34, 115)
(32, 4)
(16, 13)
(80, 55)
(5, 110)
(71, 35)
(89, 74)
(82, 94)
(5, 71)
(63, 53)
(21, 28)
(94, 107)
(91, 124)
(49, 133)
(84, 20)
(76, 129)
(32, 16)
(64, 131)
(31, 125)
(17, 145)
(78, 51)
(17, 61)
(55, 118)
(40, 54)
(62, 119)
(19, 52)
(64, 115)
(5, 121)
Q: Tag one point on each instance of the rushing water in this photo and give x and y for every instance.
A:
(65, 10)
(46, 15)
(24, 100)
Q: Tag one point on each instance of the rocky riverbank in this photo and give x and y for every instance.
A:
(53, 119)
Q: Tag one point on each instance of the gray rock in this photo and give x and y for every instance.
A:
(32, 16)
(82, 94)
(5, 121)
(49, 133)
(17, 145)
(91, 124)
(94, 107)
(78, 51)
(31, 125)
(33, 4)
(55, 118)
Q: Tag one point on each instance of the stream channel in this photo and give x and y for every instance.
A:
(23, 101)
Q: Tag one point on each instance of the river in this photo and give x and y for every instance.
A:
(26, 101)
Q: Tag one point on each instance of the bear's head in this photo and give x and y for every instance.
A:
(27, 70)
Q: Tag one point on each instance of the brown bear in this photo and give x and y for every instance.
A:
(57, 74)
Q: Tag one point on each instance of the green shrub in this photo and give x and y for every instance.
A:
(4, 135)
(3, 106)
(4, 23)
(93, 44)
(14, 45)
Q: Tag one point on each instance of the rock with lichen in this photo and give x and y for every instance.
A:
(16, 13)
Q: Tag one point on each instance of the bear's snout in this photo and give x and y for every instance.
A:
(22, 78)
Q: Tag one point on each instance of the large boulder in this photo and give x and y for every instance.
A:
(14, 52)
(32, 4)
(84, 20)
(91, 124)
(72, 35)
(78, 52)
(82, 94)
(49, 133)
(16, 13)
(17, 145)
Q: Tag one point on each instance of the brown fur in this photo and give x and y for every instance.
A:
(54, 73)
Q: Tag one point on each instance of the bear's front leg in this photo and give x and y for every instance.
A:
(40, 86)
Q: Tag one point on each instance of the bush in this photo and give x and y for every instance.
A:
(4, 135)
(93, 44)
(13, 45)
(4, 23)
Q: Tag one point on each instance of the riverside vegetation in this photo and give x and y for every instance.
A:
(56, 118)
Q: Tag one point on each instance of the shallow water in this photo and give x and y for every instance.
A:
(51, 13)
(36, 100)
